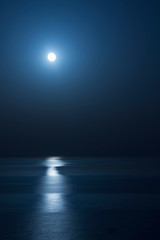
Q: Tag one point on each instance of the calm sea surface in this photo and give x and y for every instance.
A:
(79, 198)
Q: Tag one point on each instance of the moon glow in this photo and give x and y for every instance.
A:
(52, 57)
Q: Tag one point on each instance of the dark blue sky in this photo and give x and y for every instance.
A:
(101, 97)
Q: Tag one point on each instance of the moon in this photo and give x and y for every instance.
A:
(52, 57)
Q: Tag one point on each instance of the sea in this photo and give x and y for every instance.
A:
(66, 198)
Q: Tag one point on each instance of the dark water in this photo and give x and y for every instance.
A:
(58, 198)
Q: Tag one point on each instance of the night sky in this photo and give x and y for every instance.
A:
(102, 95)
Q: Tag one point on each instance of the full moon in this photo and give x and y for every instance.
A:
(52, 57)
